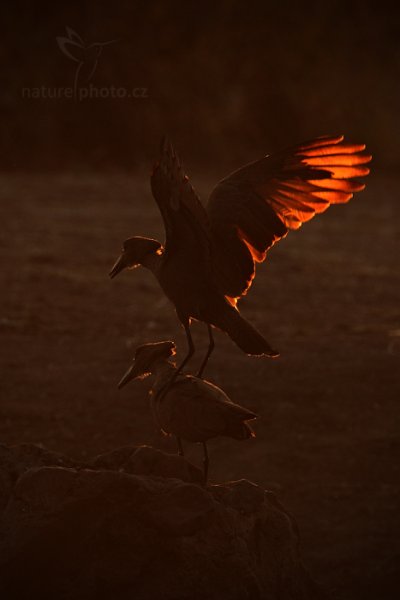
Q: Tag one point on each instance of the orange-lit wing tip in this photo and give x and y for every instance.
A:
(311, 195)
(292, 217)
(291, 222)
(325, 140)
(232, 301)
(295, 185)
(256, 254)
(337, 160)
(333, 197)
(319, 205)
(311, 201)
(344, 172)
(294, 199)
(338, 184)
(333, 149)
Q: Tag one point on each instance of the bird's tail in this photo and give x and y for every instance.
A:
(243, 334)
(248, 431)
(240, 430)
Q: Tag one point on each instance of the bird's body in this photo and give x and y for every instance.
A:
(191, 409)
(174, 275)
(196, 295)
(208, 261)
(196, 410)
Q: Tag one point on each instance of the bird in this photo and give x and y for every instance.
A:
(193, 409)
(208, 261)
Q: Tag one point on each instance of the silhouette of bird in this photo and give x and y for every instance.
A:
(193, 409)
(208, 261)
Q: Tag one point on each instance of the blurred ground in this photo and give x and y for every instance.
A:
(328, 431)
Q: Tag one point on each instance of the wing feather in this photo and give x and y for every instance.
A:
(336, 159)
(333, 149)
(338, 184)
(319, 142)
(258, 204)
(185, 219)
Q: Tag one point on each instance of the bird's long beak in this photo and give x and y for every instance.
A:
(119, 266)
(133, 372)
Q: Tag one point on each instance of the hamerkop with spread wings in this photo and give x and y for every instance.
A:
(208, 261)
(192, 409)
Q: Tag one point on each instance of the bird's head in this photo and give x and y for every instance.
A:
(145, 358)
(134, 252)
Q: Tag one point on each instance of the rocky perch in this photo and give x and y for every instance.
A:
(136, 524)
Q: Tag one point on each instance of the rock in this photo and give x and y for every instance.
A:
(15, 460)
(145, 460)
(135, 523)
(242, 495)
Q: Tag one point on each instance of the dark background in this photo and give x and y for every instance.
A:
(229, 82)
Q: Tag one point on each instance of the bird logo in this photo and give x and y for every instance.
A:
(85, 55)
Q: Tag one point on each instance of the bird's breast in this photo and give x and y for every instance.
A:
(186, 286)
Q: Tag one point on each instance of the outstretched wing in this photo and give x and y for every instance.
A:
(254, 207)
(185, 218)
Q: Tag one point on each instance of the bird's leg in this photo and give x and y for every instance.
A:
(180, 446)
(189, 353)
(188, 356)
(211, 347)
(205, 463)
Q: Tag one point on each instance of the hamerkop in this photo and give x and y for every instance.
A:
(208, 261)
(192, 409)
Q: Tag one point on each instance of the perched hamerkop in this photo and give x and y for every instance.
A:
(191, 409)
(208, 261)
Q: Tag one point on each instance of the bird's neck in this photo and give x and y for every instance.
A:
(163, 371)
(152, 261)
